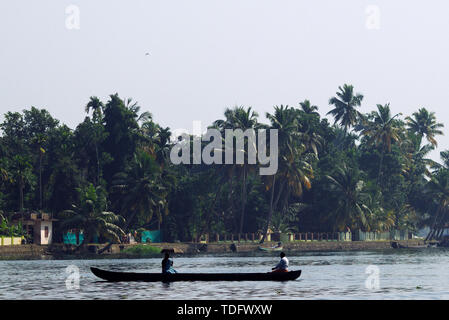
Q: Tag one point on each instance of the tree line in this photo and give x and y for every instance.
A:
(112, 174)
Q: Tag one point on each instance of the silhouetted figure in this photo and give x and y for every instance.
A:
(167, 264)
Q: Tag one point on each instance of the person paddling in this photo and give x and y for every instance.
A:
(282, 266)
(167, 264)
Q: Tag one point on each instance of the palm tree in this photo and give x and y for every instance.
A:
(438, 188)
(157, 142)
(308, 108)
(135, 108)
(163, 144)
(308, 118)
(423, 123)
(98, 107)
(381, 130)
(142, 191)
(244, 119)
(377, 218)
(347, 187)
(89, 216)
(343, 140)
(415, 156)
(445, 157)
(295, 172)
(345, 104)
(311, 140)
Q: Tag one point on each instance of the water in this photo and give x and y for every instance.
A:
(403, 274)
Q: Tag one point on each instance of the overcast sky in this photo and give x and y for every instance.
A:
(206, 55)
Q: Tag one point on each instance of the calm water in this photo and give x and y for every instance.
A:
(403, 274)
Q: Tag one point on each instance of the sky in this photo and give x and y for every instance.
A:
(207, 55)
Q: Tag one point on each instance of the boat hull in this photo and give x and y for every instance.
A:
(158, 277)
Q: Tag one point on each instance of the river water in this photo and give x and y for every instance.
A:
(391, 274)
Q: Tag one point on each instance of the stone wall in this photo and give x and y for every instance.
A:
(310, 246)
(60, 251)
(26, 252)
(304, 246)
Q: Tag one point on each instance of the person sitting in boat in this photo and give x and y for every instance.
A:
(167, 264)
(282, 266)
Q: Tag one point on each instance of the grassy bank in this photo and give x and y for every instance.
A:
(142, 251)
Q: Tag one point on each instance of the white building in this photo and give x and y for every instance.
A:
(39, 226)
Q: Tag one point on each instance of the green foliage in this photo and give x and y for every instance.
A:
(141, 191)
(345, 104)
(112, 173)
(10, 230)
(89, 216)
(143, 250)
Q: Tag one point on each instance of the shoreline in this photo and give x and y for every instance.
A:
(116, 251)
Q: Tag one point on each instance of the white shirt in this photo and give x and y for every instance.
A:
(283, 264)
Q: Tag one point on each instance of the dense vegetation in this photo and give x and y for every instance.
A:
(113, 174)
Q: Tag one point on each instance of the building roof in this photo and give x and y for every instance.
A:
(32, 215)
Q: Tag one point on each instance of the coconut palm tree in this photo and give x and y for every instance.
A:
(308, 108)
(345, 104)
(284, 120)
(308, 117)
(297, 174)
(343, 140)
(378, 218)
(381, 130)
(149, 132)
(163, 145)
(445, 157)
(89, 215)
(142, 192)
(423, 123)
(415, 156)
(295, 171)
(311, 140)
(244, 119)
(347, 187)
(438, 188)
(135, 108)
(156, 141)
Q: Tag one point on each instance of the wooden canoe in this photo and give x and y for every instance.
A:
(115, 276)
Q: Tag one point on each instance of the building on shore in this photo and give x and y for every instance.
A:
(38, 226)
